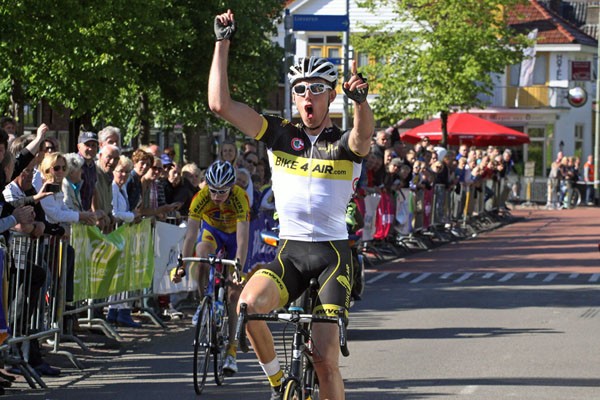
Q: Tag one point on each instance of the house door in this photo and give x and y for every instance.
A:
(538, 150)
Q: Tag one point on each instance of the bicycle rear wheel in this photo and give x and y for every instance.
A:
(202, 344)
(220, 348)
(293, 391)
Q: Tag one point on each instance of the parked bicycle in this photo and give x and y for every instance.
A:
(212, 330)
(301, 381)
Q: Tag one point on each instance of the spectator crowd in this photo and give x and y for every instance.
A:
(46, 189)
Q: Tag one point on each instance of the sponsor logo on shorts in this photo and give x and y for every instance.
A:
(331, 310)
(283, 292)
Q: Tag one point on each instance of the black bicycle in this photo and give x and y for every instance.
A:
(212, 332)
(301, 381)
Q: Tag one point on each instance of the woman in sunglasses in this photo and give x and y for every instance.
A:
(54, 170)
(221, 212)
(154, 203)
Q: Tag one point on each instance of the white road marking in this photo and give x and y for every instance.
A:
(378, 277)
(573, 275)
(550, 277)
(403, 275)
(530, 275)
(488, 275)
(464, 277)
(506, 277)
(470, 389)
(594, 278)
(421, 277)
(446, 275)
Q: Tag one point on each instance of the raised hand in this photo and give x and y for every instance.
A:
(41, 131)
(356, 87)
(224, 26)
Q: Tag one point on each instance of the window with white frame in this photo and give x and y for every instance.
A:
(540, 71)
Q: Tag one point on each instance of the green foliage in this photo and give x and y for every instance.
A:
(441, 58)
(97, 58)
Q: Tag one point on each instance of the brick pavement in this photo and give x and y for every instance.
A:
(563, 241)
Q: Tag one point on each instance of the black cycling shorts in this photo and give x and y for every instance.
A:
(296, 263)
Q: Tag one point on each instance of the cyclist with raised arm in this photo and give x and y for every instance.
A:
(315, 167)
(221, 213)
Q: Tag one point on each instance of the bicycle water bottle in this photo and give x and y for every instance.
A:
(219, 305)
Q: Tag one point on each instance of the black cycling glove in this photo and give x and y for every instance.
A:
(358, 95)
(224, 31)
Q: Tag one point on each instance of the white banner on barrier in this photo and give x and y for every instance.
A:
(371, 203)
(168, 241)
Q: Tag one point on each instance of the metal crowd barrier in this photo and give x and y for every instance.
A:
(36, 302)
(442, 214)
(37, 284)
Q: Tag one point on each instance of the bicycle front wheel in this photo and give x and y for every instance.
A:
(202, 345)
(311, 384)
(293, 391)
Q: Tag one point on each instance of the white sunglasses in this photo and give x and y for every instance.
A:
(315, 88)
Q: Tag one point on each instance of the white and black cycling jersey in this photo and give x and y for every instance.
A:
(312, 182)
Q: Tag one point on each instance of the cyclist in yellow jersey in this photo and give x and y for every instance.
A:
(315, 167)
(221, 212)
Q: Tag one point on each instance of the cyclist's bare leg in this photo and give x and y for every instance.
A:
(233, 295)
(326, 354)
(262, 296)
(203, 249)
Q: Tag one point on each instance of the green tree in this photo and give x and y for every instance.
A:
(133, 63)
(441, 58)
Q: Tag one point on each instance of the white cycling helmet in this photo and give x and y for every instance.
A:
(313, 67)
(220, 174)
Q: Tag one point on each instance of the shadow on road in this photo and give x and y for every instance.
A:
(364, 334)
(444, 295)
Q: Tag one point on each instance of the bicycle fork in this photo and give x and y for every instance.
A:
(301, 363)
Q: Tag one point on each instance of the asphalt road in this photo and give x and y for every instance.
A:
(512, 313)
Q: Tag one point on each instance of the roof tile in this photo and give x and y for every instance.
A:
(552, 29)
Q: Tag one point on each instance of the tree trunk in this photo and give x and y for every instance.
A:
(74, 127)
(144, 118)
(198, 146)
(444, 121)
(17, 98)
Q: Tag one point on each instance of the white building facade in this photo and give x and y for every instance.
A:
(541, 110)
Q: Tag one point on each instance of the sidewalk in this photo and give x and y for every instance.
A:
(100, 357)
(541, 241)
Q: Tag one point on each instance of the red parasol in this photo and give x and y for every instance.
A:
(467, 129)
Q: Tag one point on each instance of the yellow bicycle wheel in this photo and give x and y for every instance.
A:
(293, 391)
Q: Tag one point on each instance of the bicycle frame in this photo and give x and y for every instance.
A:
(211, 334)
(299, 376)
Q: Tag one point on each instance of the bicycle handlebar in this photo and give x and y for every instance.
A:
(240, 333)
(213, 259)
